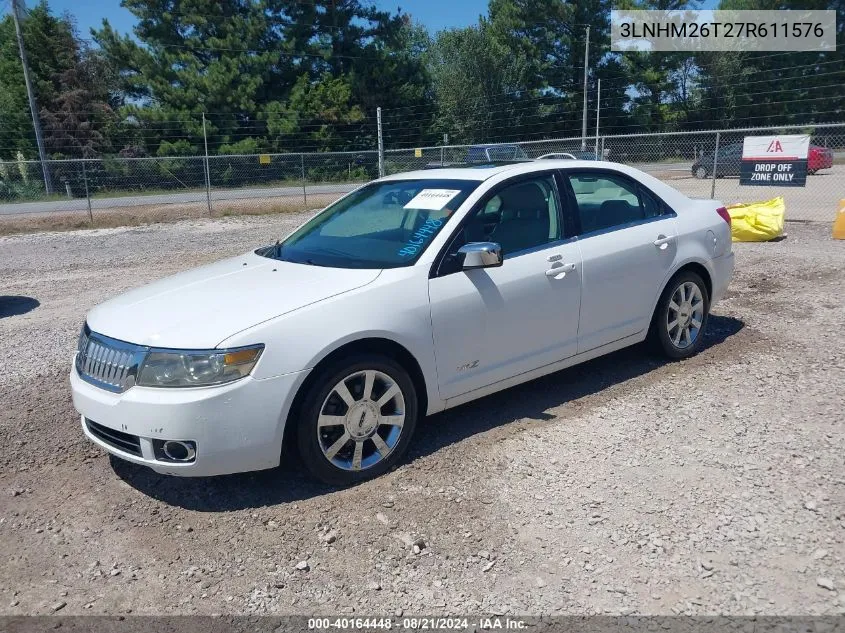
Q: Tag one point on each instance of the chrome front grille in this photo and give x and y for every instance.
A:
(108, 363)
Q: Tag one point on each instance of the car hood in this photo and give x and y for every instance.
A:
(200, 308)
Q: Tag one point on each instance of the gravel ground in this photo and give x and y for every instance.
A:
(626, 485)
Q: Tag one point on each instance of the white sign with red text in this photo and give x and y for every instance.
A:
(775, 160)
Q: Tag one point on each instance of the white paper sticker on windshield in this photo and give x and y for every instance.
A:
(433, 199)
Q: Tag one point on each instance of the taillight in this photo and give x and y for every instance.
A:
(723, 213)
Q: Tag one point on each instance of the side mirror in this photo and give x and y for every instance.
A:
(481, 255)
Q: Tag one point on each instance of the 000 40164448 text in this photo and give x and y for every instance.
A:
(420, 237)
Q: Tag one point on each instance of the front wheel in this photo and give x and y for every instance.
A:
(677, 328)
(357, 419)
(700, 172)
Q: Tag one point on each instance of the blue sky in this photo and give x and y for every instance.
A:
(434, 14)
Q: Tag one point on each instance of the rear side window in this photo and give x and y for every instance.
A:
(652, 207)
(606, 201)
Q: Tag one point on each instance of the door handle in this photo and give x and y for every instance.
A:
(559, 272)
(662, 242)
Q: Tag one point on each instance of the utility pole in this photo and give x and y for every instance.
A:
(380, 145)
(33, 107)
(584, 115)
(304, 188)
(598, 110)
(207, 172)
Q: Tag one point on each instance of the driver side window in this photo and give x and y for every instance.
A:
(519, 216)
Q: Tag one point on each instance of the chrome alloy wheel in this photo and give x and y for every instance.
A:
(685, 315)
(361, 419)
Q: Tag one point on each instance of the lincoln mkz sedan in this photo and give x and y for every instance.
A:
(410, 295)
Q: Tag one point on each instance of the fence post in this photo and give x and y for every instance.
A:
(380, 145)
(304, 191)
(598, 110)
(87, 195)
(207, 172)
(715, 165)
(602, 148)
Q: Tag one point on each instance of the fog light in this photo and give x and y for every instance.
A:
(175, 450)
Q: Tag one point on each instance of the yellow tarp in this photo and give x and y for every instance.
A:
(757, 221)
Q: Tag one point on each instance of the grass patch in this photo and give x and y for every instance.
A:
(156, 214)
(163, 191)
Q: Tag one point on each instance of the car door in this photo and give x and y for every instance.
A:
(628, 242)
(730, 160)
(490, 324)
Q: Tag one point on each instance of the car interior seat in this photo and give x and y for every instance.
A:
(610, 213)
(524, 218)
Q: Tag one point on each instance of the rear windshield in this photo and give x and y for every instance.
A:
(382, 225)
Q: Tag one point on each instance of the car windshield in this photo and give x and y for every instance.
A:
(382, 225)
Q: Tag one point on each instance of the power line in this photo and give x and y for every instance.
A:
(524, 113)
(628, 85)
(625, 99)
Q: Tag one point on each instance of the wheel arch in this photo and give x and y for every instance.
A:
(369, 345)
(699, 269)
(693, 266)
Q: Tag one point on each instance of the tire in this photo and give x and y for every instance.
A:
(683, 339)
(700, 172)
(326, 418)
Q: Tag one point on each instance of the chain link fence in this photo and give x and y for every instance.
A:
(174, 187)
(685, 160)
(152, 188)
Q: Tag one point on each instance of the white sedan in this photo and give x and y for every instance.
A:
(412, 294)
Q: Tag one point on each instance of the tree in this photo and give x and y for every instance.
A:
(295, 75)
(250, 65)
(552, 36)
(479, 86)
(315, 115)
(71, 84)
(217, 57)
(16, 134)
(758, 89)
(657, 103)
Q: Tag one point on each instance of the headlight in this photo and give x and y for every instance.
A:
(197, 368)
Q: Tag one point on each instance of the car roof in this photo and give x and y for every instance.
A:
(483, 173)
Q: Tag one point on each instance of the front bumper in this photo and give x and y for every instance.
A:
(723, 269)
(237, 427)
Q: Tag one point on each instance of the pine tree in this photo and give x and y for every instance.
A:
(71, 84)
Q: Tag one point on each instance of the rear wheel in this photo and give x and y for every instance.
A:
(357, 420)
(677, 328)
(700, 172)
